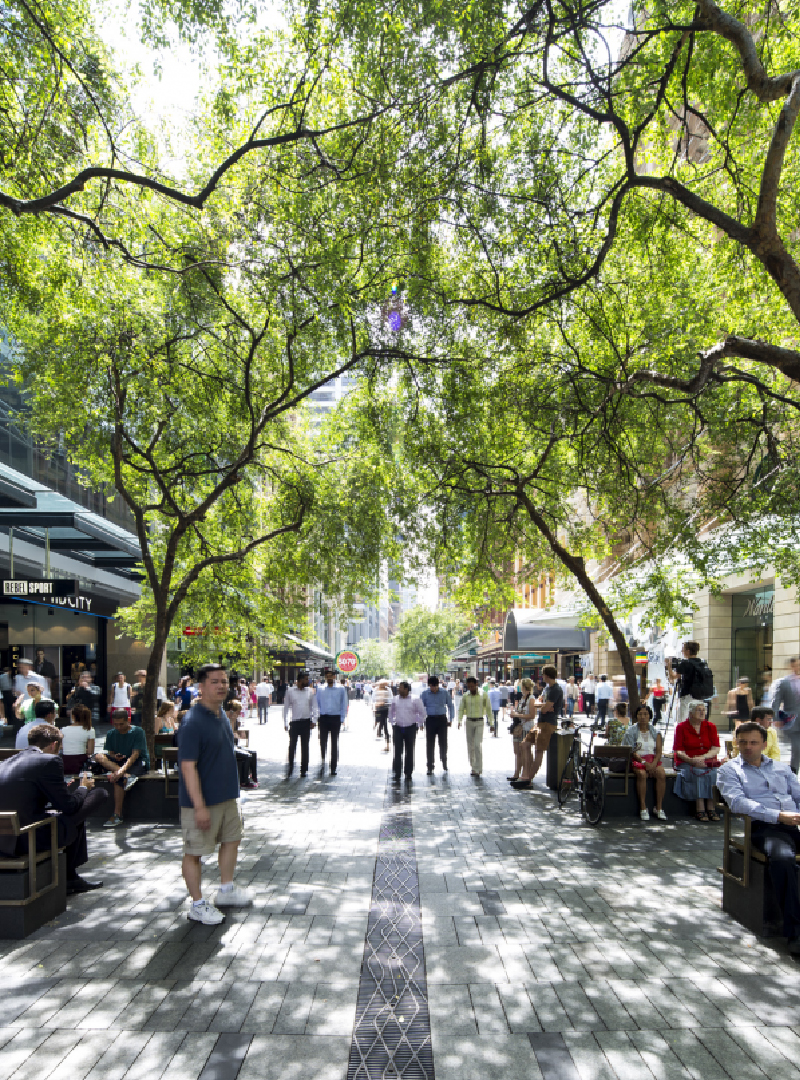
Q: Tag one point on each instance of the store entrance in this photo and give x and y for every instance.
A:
(751, 640)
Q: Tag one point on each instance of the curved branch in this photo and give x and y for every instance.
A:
(765, 88)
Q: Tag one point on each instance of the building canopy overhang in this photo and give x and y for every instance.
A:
(42, 517)
(531, 631)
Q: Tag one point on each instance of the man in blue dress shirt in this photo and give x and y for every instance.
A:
(769, 792)
(439, 712)
(332, 703)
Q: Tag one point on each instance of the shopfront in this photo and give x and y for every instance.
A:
(62, 639)
(752, 616)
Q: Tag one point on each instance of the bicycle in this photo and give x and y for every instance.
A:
(583, 774)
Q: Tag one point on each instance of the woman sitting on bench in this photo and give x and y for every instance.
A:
(695, 752)
(646, 760)
(78, 741)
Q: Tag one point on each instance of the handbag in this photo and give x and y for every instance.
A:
(618, 764)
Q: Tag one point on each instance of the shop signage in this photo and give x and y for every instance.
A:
(40, 589)
(641, 656)
(347, 661)
(531, 656)
(759, 607)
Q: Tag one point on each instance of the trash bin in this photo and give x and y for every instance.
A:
(557, 754)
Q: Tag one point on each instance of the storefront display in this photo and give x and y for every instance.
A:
(751, 640)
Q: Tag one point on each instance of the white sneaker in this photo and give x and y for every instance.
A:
(205, 913)
(661, 815)
(235, 897)
(644, 815)
(130, 781)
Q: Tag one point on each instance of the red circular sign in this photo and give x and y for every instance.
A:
(347, 662)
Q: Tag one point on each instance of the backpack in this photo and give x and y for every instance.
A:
(702, 684)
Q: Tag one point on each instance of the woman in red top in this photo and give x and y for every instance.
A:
(695, 753)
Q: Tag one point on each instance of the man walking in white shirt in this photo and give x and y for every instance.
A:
(263, 700)
(605, 695)
(301, 702)
(332, 706)
(407, 716)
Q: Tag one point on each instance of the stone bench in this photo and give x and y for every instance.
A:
(153, 799)
(33, 886)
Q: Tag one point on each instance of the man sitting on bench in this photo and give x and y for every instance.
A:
(34, 779)
(125, 757)
(769, 792)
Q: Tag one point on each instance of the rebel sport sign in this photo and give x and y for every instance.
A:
(347, 662)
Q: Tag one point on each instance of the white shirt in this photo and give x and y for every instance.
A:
(605, 691)
(588, 686)
(21, 684)
(301, 703)
(122, 698)
(160, 693)
(75, 739)
(263, 689)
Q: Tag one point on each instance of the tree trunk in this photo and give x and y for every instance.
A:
(577, 568)
(150, 698)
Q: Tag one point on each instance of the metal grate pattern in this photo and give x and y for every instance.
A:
(392, 1036)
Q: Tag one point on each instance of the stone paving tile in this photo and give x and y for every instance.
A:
(493, 1057)
(288, 1057)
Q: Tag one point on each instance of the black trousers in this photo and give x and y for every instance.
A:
(382, 720)
(299, 729)
(404, 739)
(72, 831)
(779, 844)
(247, 761)
(262, 704)
(602, 709)
(436, 728)
(330, 725)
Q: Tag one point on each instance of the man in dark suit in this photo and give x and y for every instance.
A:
(34, 779)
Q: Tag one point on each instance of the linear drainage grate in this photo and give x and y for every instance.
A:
(392, 1036)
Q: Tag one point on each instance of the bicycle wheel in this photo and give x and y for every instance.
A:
(567, 785)
(594, 793)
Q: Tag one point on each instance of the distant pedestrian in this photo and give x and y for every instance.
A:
(332, 706)
(119, 696)
(301, 702)
(381, 700)
(571, 696)
(407, 716)
(263, 700)
(474, 707)
(209, 792)
(495, 700)
(605, 695)
(438, 706)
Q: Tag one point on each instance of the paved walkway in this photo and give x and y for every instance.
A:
(551, 949)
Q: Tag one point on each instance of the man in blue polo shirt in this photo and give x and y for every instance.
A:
(209, 790)
(333, 703)
(439, 711)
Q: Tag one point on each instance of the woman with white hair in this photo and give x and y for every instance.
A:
(381, 700)
(695, 751)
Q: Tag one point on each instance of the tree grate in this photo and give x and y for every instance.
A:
(392, 1035)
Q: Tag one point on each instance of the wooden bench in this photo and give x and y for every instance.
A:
(621, 800)
(33, 886)
(747, 893)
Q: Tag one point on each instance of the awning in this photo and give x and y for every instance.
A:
(528, 632)
(315, 650)
(41, 516)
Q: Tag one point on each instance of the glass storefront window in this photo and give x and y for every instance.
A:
(751, 640)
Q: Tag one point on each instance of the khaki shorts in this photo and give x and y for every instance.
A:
(226, 828)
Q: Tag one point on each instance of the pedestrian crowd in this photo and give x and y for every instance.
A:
(207, 719)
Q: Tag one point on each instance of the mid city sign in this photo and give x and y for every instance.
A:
(42, 589)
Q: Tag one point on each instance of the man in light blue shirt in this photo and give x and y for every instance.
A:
(332, 703)
(769, 792)
(495, 700)
(439, 711)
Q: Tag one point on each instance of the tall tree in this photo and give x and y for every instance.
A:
(425, 639)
